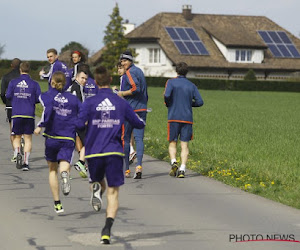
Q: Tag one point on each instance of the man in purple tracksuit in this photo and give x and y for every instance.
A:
(23, 92)
(180, 96)
(56, 65)
(59, 119)
(134, 90)
(14, 73)
(106, 114)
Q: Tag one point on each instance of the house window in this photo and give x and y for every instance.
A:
(154, 55)
(243, 55)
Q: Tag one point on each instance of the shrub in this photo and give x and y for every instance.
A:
(250, 76)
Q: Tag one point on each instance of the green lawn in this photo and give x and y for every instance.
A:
(246, 139)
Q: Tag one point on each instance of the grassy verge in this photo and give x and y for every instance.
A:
(248, 140)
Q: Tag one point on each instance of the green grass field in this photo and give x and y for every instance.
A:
(248, 140)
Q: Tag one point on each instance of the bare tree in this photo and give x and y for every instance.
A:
(1, 49)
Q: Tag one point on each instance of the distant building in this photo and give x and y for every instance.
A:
(215, 46)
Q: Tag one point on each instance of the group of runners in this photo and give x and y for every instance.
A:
(82, 110)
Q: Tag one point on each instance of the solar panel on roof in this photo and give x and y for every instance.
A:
(182, 34)
(284, 37)
(172, 33)
(275, 51)
(284, 50)
(293, 51)
(279, 44)
(187, 41)
(181, 47)
(274, 37)
(191, 32)
(191, 47)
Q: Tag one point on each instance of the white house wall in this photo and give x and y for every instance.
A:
(229, 54)
(162, 69)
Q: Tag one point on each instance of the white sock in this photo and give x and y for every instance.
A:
(173, 160)
(26, 157)
(131, 149)
(182, 168)
(16, 151)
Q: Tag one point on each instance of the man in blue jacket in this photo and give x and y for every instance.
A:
(105, 114)
(23, 92)
(180, 96)
(14, 73)
(134, 90)
(55, 65)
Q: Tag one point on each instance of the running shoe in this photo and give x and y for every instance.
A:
(25, 167)
(81, 168)
(96, 200)
(19, 161)
(132, 157)
(127, 173)
(174, 168)
(180, 174)
(138, 173)
(14, 159)
(65, 183)
(105, 236)
(58, 208)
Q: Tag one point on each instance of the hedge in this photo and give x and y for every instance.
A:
(209, 84)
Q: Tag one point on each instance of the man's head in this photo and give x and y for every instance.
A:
(81, 77)
(15, 63)
(182, 68)
(126, 59)
(86, 68)
(24, 67)
(52, 55)
(121, 69)
(102, 77)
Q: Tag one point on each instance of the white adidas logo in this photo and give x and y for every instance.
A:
(61, 99)
(22, 84)
(105, 105)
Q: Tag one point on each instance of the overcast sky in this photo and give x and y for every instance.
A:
(28, 28)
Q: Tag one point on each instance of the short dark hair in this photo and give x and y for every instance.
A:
(85, 68)
(119, 65)
(182, 68)
(102, 76)
(25, 67)
(15, 63)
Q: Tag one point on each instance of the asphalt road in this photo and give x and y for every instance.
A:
(156, 212)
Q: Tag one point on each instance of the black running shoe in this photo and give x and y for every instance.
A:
(96, 200)
(65, 183)
(19, 161)
(174, 168)
(180, 174)
(105, 236)
(25, 167)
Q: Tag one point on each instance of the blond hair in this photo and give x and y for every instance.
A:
(58, 80)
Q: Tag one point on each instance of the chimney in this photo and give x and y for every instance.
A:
(187, 12)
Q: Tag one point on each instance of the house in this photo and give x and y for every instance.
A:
(215, 46)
